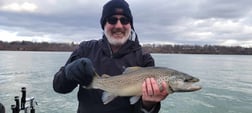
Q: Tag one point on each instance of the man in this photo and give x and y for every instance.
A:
(110, 55)
(2, 109)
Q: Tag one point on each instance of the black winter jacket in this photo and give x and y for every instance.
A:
(105, 62)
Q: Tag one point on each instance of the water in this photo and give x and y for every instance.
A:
(226, 82)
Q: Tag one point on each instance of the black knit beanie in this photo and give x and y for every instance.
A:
(114, 7)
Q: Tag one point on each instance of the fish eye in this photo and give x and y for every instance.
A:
(186, 80)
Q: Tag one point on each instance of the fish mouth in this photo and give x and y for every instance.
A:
(192, 87)
(188, 85)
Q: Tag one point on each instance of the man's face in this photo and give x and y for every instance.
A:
(117, 30)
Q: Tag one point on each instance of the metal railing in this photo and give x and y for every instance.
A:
(27, 104)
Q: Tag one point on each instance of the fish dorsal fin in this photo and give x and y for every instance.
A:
(105, 76)
(131, 69)
(107, 97)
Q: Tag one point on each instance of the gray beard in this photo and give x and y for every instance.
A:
(117, 42)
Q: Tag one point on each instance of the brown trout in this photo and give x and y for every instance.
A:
(130, 82)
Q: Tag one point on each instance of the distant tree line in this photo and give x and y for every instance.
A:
(35, 46)
(151, 48)
(197, 49)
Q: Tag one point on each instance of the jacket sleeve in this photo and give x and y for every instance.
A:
(139, 108)
(60, 83)
(148, 60)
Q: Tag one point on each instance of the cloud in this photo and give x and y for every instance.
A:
(220, 22)
(228, 9)
(24, 7)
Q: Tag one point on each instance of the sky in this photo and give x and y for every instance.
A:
(197, 22)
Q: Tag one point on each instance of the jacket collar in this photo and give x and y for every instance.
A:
(129, 46)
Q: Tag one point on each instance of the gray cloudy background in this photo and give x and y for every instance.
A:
(215, 22)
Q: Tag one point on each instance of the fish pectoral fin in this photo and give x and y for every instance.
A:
(134, 99)
(107, 97)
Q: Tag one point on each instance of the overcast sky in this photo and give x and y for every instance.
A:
(215, 22)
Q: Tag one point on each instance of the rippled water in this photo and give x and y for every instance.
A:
(226, 82)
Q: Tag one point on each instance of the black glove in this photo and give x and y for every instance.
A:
(80, 71)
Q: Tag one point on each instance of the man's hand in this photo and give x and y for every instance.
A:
(152, 93)
(80, 71)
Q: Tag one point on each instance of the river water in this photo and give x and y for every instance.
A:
(226, 82)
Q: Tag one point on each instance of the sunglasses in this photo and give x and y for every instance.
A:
(113, 20)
